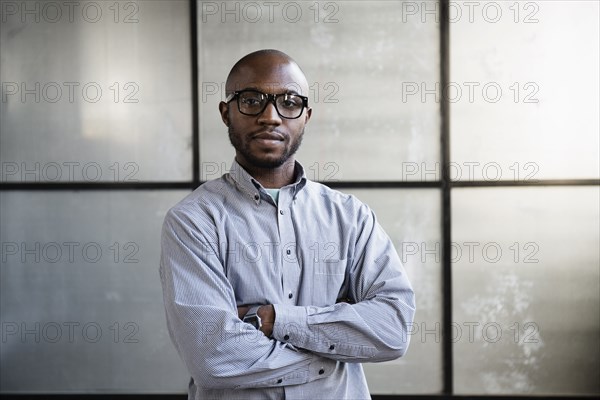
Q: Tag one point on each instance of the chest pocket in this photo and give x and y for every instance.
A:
(328, 282)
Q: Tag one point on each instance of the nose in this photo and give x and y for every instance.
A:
(269, 116)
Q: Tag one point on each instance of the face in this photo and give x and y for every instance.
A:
(267, 140)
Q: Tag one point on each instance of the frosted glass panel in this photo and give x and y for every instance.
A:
(95, 91)
(526, 284)
(81, 301)
(525, 90)
(358, 58)
(412, 220)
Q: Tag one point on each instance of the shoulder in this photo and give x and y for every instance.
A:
(200, 206)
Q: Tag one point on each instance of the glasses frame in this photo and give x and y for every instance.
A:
(271, 98)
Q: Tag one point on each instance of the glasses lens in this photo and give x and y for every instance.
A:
(290, 105)
(251, 102)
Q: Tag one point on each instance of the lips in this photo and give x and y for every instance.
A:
(274, 136)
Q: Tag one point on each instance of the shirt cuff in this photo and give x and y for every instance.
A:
(290, 324)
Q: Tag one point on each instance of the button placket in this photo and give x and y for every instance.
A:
(291, 270)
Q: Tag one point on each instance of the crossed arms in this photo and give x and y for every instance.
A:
(297, 344)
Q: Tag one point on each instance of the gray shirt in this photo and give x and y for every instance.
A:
(340, 293)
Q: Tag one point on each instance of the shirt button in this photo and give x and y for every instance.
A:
(281, 212)
(256, 197)
(279, 380)
(332, 347)
(321, 371)
(290, 295)
(286, 337)
(288, 252)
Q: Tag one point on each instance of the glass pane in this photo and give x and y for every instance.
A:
(412, 220)
(526, 290)
(525, 90)
(95, 91)
(81, 300)
(359, 58)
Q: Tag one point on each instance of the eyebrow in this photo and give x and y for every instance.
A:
(258, 90)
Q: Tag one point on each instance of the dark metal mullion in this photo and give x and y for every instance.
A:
(165, 185)
(80, 186)
(447, 349)
(381, 184)
(195, 95)
(171, 185)
(374, 396)
(532, 182)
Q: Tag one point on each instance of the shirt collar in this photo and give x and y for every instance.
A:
(247, 184)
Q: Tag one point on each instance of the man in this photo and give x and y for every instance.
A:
(277, 287)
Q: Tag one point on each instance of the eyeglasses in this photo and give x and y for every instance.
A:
(252, 102)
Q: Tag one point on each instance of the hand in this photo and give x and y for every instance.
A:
(242, 310)
(266, 314)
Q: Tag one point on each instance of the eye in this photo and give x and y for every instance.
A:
(291, 101)
(252, 99)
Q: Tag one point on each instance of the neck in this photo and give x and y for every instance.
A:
(272, 178)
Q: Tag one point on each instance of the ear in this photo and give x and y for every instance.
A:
(308, 115)
(224, 111)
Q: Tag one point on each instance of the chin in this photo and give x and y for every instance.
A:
(268, 162)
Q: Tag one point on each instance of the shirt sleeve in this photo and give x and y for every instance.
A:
(219, 350)
(375, 327)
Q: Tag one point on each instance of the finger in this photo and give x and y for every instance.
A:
(242, 311)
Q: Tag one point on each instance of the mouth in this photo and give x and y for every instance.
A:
(269, 138)
(272, 136)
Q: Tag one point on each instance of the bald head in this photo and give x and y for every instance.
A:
(271, 68)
